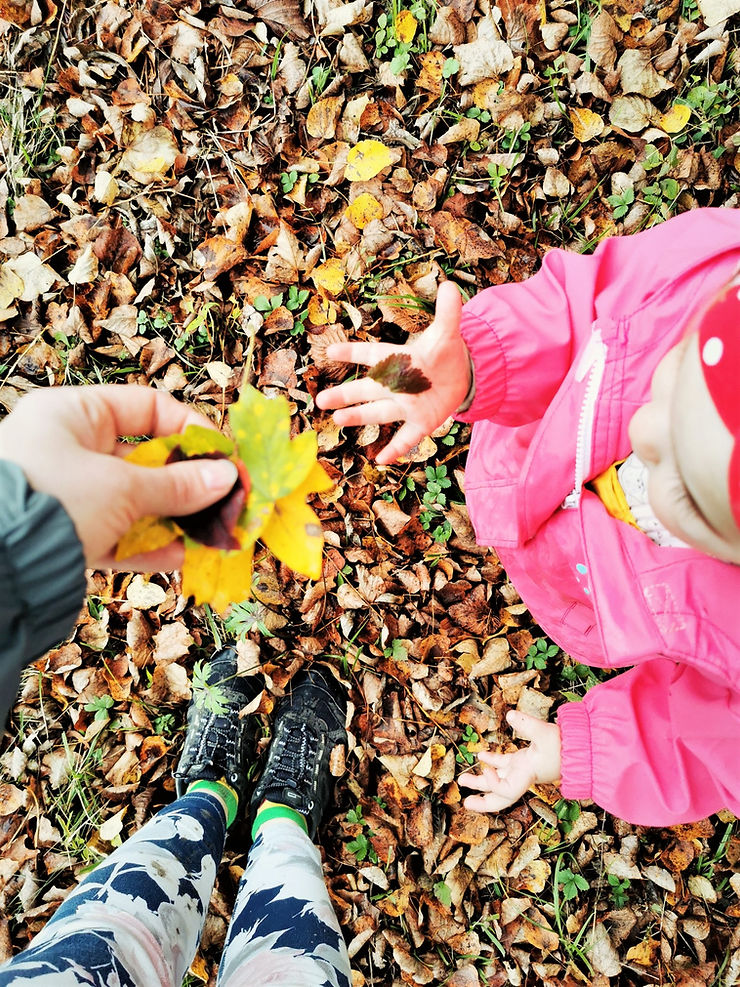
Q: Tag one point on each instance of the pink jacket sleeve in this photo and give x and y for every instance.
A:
(523, 337)
(656, 745)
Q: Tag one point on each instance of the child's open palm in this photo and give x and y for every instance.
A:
(506, 777)
(439, 353)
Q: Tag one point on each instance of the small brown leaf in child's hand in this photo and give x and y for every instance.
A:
(397, 374)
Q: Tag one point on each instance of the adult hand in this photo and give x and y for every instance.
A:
(439, 353)
(67, 442)
(506, 777)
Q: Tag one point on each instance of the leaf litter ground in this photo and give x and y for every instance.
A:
(193, 196)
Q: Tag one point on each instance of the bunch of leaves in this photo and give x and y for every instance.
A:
(207, 695)
(567, 812)
(571, 883)
(276, 474)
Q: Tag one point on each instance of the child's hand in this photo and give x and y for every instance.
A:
(506, 777)
(439, 353)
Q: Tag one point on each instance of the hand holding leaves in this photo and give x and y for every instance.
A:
(276, 474)
(506, 777)
(437, 357)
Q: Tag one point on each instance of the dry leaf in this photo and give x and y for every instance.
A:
(323, 117)
(363, 209)
(367, 159)
(586, 124)
(150, 155)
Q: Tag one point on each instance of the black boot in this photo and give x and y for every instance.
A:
(219, 744)
(309, 723)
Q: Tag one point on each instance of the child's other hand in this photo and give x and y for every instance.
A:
(506, 777)
(439, 353)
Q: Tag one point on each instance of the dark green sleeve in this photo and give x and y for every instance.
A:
(42, 577)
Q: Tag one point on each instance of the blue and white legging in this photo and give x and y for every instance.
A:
(136, 920)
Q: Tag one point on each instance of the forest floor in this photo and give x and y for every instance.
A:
(179, 178)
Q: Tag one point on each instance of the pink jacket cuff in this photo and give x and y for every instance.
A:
(576, 769)
(489, 366)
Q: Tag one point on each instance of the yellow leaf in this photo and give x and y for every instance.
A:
(317, 481)
(193, 441)
(329, 276)
(586, 124)
(321, 311)
(406, 25)
(644, 952)
(216, 577)
(323, 116)
(147, 535)
(366, 160)
(363, 210)
(294, 535)
(675, 119)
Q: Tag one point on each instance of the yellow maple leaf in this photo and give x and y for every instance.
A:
(586, 124)
(675, 119)
(218, 578)
(406, 25)
(363, 209)
(278, 473)
(366, 160)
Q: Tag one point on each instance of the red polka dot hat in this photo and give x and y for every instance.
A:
(719, 347)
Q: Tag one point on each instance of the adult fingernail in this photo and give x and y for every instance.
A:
(219, 474)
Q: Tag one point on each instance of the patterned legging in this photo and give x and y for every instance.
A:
(136, 920)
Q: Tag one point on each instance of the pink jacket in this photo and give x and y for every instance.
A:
(561, 363)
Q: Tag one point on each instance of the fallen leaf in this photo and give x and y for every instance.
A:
(150, 155)
(329, 276)
(586, 124)
(675, 119)
(397, 374)
(406, 25)
(323, 117)
(367, 159)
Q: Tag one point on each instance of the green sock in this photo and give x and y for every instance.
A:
(222, 790)
(276, 811)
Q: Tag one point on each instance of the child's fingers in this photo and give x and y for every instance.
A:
(350, 393)
(491, 802)
(367, 353)
(479, 783)
(409, 435)
(495, 760)
(447, 311)
(527, 727)
(375, 413)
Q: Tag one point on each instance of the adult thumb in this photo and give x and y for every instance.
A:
(182, 488)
